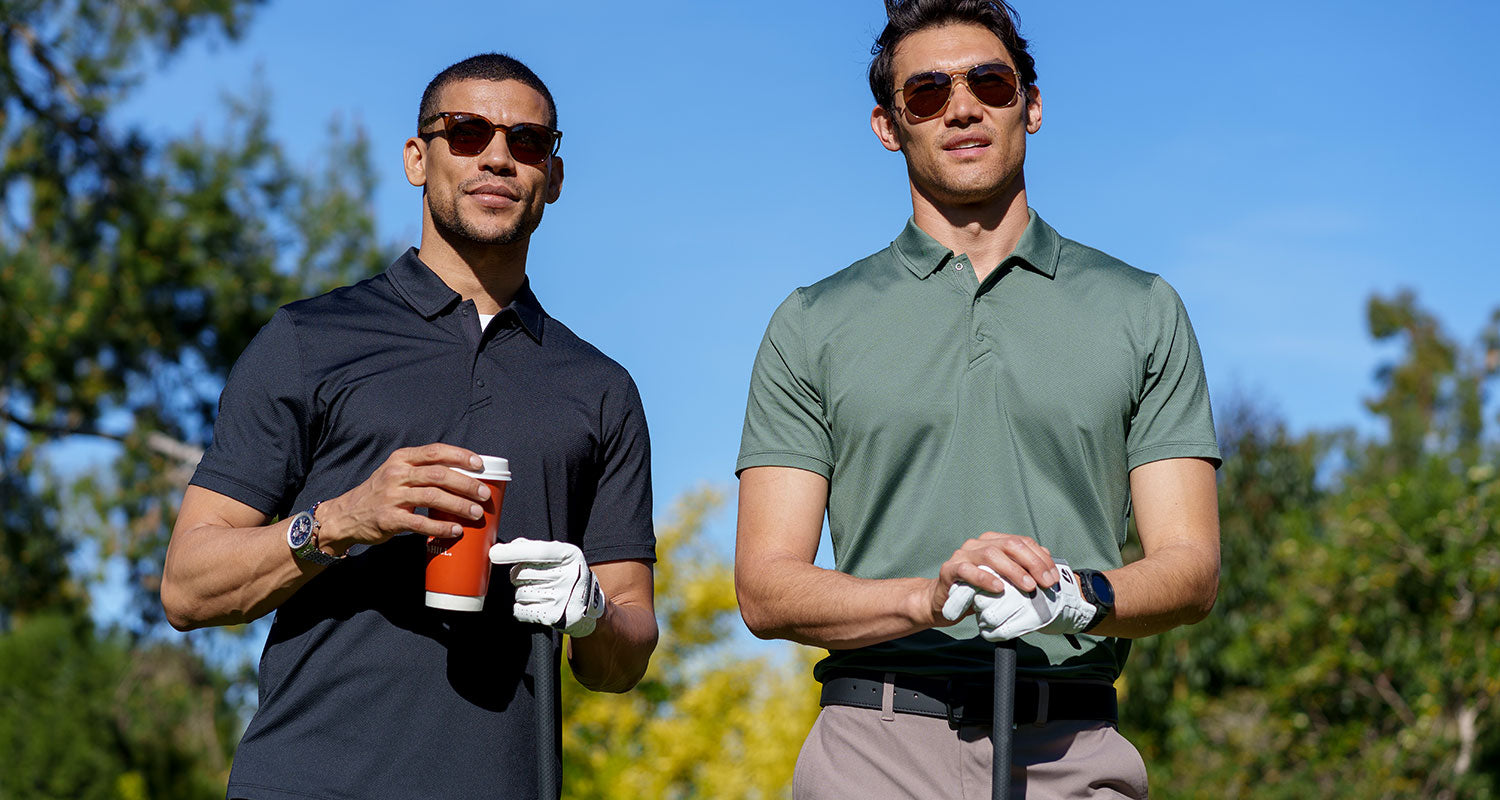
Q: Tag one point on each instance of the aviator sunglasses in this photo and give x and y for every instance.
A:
(926, 94)
(469, 134)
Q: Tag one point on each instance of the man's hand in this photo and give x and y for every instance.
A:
(554, 586)
(1012, 613)
(991, 563)
(385, 504)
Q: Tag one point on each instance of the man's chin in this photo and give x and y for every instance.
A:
(967, 195)
(489, 235)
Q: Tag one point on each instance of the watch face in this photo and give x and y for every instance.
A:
(300, 531)
(1102, 589)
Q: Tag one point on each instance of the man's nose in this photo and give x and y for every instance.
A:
(496, 157)
(963, 106)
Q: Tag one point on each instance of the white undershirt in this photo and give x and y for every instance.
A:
(484, 321)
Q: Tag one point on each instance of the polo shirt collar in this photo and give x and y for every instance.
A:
(921, 253)
(1039, 248)
(528, 310)
(426, 293)
(420, 287)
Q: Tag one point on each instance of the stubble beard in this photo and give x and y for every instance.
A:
(449, 221)
(962, 186)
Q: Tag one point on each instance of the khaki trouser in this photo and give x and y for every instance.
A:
(864, 754)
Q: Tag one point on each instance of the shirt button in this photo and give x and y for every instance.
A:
(959, 266)
(464, 311)
(479, 383)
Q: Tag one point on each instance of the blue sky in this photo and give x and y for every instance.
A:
(1276, 161)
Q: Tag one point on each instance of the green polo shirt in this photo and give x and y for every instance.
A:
(940, 407)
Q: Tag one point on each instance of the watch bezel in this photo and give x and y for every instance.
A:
(1106, 598)
(1090, 590)
(298, 535)
(302, 538)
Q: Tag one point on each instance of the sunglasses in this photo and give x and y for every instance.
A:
(469, 134)
(926, 94)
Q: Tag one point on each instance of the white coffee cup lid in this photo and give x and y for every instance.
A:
(495, 469)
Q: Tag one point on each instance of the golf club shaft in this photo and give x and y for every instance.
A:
(1004, 715)
(544, 672)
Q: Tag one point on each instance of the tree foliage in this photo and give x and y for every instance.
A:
(132, 274)
(708, 720)
(133, 271)
(90, 716)
(1353, 650)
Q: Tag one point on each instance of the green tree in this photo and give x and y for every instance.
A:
(1353, 651)
(133, 271)
(708, 721)
(90, 716)
(132, 274)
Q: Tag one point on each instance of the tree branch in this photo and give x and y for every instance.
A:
(184, 453)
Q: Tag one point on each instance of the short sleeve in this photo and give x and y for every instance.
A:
(619, 525)
(785, 420)
(1173, 418)
(259, 455)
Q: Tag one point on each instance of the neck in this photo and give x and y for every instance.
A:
(987, 231)
(488, 274)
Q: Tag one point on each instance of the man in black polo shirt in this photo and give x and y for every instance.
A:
(350, 408)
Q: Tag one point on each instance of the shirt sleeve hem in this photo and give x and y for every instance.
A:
(778, 458)
(1160, 452)
(620, 552)
(233, 489)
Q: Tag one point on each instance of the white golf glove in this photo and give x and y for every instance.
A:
(554, 586)
(1012, 614)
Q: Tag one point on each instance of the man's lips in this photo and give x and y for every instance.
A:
(966, 143)
(493, 195)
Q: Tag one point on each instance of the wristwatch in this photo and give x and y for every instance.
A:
(1096, 589)
(302, 537)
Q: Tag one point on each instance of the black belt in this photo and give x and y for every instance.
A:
(967, 701)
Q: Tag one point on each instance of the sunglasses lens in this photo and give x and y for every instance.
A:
(926, 94)
(468, 136)
(528, 143)
(993, 84)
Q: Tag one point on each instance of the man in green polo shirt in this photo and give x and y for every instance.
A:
(977, 405)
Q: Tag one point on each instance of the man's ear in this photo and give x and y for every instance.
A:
(554, 179)
(1033, 109)
(414, 160)
(885, 127)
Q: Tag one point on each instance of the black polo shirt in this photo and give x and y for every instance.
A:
(364, 691)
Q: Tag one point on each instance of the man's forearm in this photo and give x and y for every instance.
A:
(791, 599)
(227, 576)
(1177, 581)
(614, 657)
(1171, 587)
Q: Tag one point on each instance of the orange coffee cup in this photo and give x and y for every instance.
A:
(458, 569)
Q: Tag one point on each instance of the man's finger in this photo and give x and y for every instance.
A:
(439, 453)
(533, 551)
(960, 599)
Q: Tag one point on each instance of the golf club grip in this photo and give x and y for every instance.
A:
(1004, 714)
(544, 673)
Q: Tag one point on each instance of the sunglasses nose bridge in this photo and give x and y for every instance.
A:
(497, 149)
(966, 105)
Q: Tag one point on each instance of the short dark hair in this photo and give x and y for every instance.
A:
(485, 67)
(906, 17)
